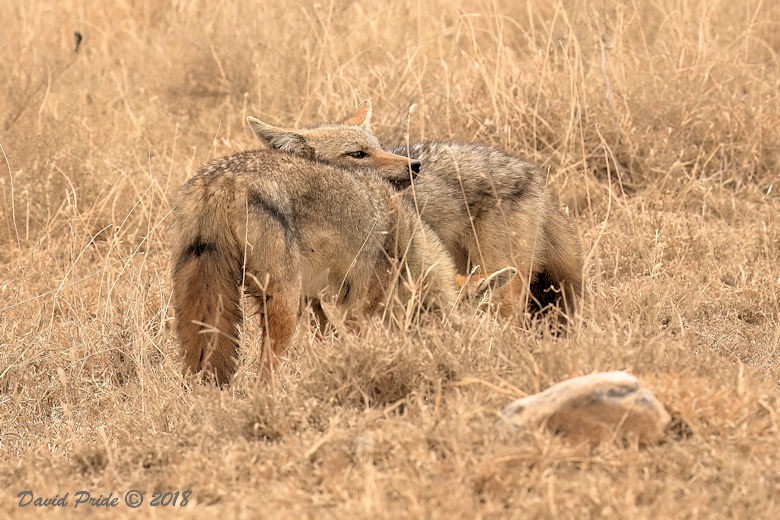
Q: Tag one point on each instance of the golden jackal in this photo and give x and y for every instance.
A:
(284, 227)
(489, 208)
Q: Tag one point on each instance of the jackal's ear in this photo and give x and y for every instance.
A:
(362, 116)
(280, 138)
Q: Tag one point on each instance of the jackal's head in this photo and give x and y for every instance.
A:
(348, 144)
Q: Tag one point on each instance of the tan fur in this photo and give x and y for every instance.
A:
(286, 228)
(488, 208)
(336, 144)
(361, 117)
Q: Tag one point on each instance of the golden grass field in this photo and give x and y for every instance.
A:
(659, 124)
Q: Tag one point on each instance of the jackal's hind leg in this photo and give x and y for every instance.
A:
(278, 309)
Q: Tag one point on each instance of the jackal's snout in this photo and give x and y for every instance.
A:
(415, 166)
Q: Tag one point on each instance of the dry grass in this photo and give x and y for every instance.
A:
(659, 123)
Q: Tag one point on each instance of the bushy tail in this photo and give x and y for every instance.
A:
(559, 281)
(206, 298)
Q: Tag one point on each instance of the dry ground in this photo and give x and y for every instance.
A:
(659, 123)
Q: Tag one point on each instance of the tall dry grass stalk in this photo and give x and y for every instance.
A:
(658, 124)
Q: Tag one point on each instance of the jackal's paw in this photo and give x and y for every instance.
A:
(494, 281)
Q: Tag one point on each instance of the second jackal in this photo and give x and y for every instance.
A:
(488, 207)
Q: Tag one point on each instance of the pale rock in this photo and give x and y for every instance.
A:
(596, 407)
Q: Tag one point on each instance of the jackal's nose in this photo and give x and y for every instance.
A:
(416, 166)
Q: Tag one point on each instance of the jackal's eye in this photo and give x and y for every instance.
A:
(358, 155)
